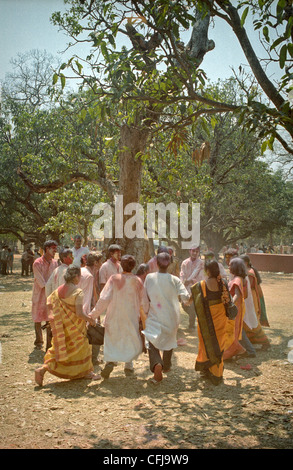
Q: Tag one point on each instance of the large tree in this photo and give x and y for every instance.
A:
(154, 81)
(150, 79)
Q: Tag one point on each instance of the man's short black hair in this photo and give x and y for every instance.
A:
(48, 244)
(163, 260)
(64, 252)
(113, 248)
(128, 262)
(162, 249)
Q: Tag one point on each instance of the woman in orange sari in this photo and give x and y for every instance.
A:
(70, 356)
(255, 335)
(234, 327)
(211, 315)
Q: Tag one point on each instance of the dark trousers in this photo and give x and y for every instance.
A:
(156, 358)
(4, 267)
(49, 336)
(24, 268)
(95, 353)
(39, 335)
(190, 310)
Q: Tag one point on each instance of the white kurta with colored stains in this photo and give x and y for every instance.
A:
(108, 269)
(42, 271)
(87, 285)
(122, 297)
(56, 279)
(192, 270)
(163, 318)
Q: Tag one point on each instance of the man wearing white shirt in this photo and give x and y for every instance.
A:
(192, 271)
(78, 251)
(87, 284)
(162, 322)
(111, 266)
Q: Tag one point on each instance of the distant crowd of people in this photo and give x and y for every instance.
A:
(6, 260)
(142, 310)
(242, 248)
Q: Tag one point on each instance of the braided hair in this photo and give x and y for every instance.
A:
(214, 270)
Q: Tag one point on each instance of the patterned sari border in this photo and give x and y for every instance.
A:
(206, 325)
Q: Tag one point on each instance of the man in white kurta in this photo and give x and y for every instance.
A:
(191, 272)
(163, 290)
(111, 266)
(121, 298)
(42, 269)
(90, 296)
(87, 285)
(78, 250)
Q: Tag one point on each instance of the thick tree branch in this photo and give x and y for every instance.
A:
(74, 177)
(250, 55)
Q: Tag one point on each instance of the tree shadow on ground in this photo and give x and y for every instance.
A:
(36, 356)
(185, 421)
(17, 323)
(16, 283)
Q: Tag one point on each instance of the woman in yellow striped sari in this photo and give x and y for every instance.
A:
(212, 320)
(70, 356)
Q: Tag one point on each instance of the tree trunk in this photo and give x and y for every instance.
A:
(132, 147)
(214, 241)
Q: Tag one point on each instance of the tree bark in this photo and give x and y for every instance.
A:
(252, 59)
(132, 146)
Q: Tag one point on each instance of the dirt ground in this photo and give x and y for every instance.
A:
(252, 409)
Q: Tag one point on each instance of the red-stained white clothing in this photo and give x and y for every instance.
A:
(78, 253)
(192, 270)
(121, 298)
(56, 279)
(107, 269)
(153, 265)
(87, 285)
(162, 322)
(42, 270)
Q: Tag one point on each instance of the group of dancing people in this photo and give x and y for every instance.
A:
(141, 310)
